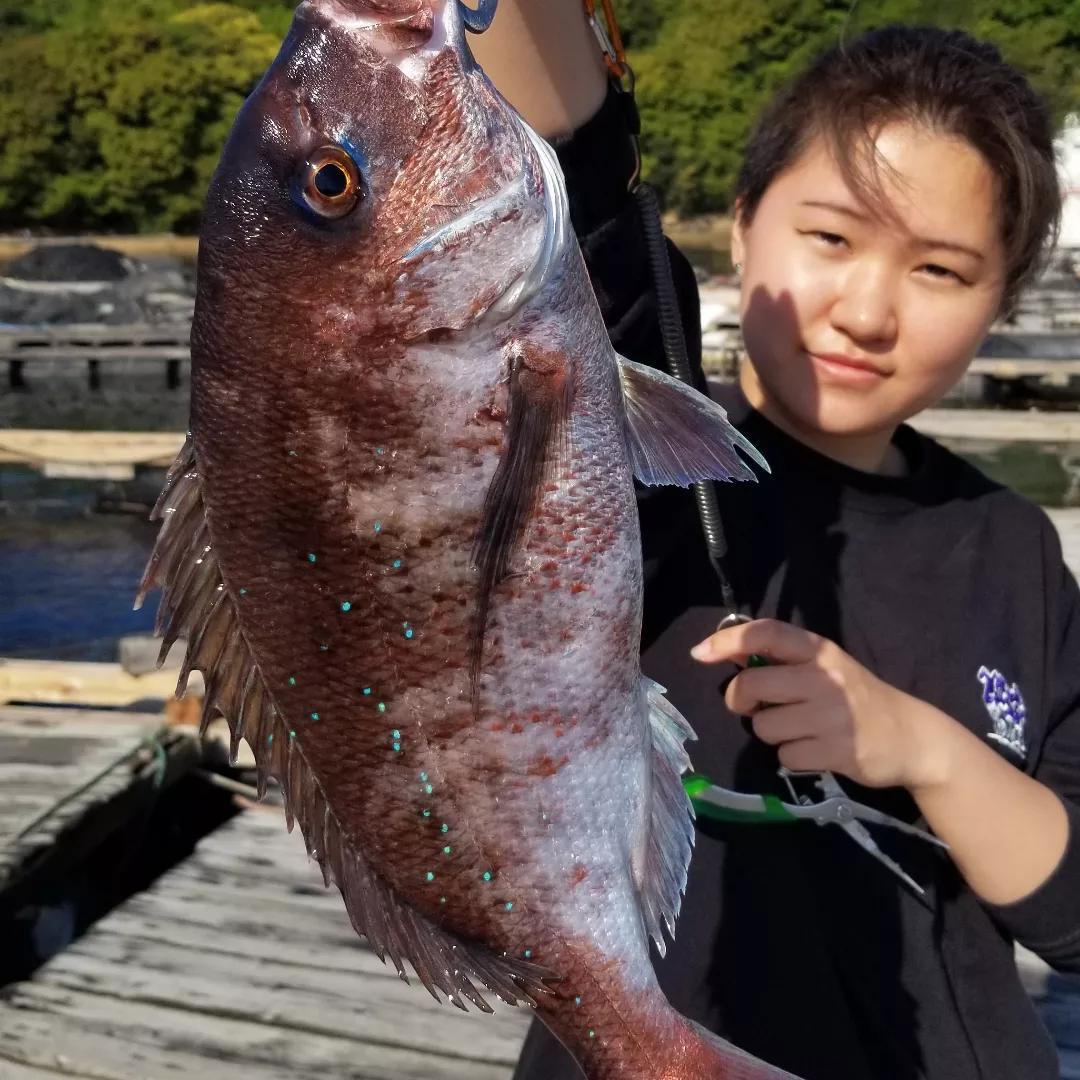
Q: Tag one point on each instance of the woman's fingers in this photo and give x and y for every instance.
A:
(807, 755)
(778, 641)
(757, 688)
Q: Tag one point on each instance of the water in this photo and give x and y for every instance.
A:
(67, 582)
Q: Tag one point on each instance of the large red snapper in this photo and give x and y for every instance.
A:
(403, 545)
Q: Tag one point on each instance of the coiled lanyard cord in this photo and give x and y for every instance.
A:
(667, 302)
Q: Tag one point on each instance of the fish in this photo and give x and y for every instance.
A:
(401, 541)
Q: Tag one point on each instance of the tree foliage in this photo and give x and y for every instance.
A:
(113, 116)
(703, 80)
(113, 112)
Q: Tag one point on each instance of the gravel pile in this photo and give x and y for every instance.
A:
(59, 284)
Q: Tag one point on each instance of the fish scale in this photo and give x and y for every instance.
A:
(402, 540)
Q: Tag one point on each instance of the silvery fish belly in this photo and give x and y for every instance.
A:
(402, 541)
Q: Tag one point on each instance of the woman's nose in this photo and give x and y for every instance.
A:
(865, 308)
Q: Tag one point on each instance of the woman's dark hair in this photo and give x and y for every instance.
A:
(943, 79)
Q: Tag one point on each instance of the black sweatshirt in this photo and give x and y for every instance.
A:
(793, 942)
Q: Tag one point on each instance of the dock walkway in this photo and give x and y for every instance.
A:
(69, 778)
(239, 965)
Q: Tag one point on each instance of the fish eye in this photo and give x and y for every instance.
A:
(330, 183)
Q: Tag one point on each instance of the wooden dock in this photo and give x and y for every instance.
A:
(239, 965)
(116, 455)
(87, 346)
(69, 779)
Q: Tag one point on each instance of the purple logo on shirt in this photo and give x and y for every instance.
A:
(1007, 710)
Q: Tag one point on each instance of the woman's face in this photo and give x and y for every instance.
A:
(855, 320)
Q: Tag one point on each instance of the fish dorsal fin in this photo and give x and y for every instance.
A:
(197, 606)
(670, 838)
(677, 435)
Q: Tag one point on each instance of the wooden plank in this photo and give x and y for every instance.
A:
(153, 245)
(11, 1070)
(57, 682)
(80, 354)
(992, 425)
(71, 778)
(27, 446)
(239, 965)
(1019, 367)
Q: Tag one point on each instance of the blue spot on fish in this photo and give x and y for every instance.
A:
(397, 564)
(314, 716)
(311, 558)
(430, 876)
(347, 606)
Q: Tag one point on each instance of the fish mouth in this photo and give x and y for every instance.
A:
(407, 33)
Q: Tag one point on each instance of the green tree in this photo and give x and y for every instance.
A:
(129, 114)
(705, 79)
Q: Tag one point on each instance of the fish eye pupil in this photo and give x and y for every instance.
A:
(331, 181)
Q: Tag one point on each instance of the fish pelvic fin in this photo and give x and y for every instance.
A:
(677, 435)
(197, 606)
(535, 444)
(670, 839)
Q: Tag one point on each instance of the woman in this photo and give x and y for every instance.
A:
(924, 630)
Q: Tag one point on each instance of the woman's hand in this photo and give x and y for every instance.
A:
(544, 59)
(1006, 831)
(826, 712)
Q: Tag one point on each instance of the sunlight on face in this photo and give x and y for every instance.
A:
(855, 320)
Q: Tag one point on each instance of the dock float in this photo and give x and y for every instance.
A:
(239, 965)
(90, 455)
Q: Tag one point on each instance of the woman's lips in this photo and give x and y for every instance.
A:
(837, 367)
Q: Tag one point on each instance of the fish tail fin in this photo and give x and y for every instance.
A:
(711, 1058)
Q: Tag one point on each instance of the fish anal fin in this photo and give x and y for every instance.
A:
(678, 436)
(669, 841)
(200, 610)
(535, 444)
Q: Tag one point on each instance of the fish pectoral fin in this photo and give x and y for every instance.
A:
(535, 444)
(197, 607)
(677, 435)
(669, 842)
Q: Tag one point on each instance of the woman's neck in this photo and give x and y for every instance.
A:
(872, 453)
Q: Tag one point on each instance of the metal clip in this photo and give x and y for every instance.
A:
(479, 18)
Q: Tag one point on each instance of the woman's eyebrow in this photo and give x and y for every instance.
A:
(922, 241)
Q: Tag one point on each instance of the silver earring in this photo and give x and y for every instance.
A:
(738, 268)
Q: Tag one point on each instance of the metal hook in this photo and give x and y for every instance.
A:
(479, 18)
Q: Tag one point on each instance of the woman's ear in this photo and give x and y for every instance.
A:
(738, 235)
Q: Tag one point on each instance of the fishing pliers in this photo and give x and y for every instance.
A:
(836, 808)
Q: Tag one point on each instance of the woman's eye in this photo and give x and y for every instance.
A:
(330, 183)
(941, 273)
(826, 239)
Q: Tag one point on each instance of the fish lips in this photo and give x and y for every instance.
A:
(409, 33)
